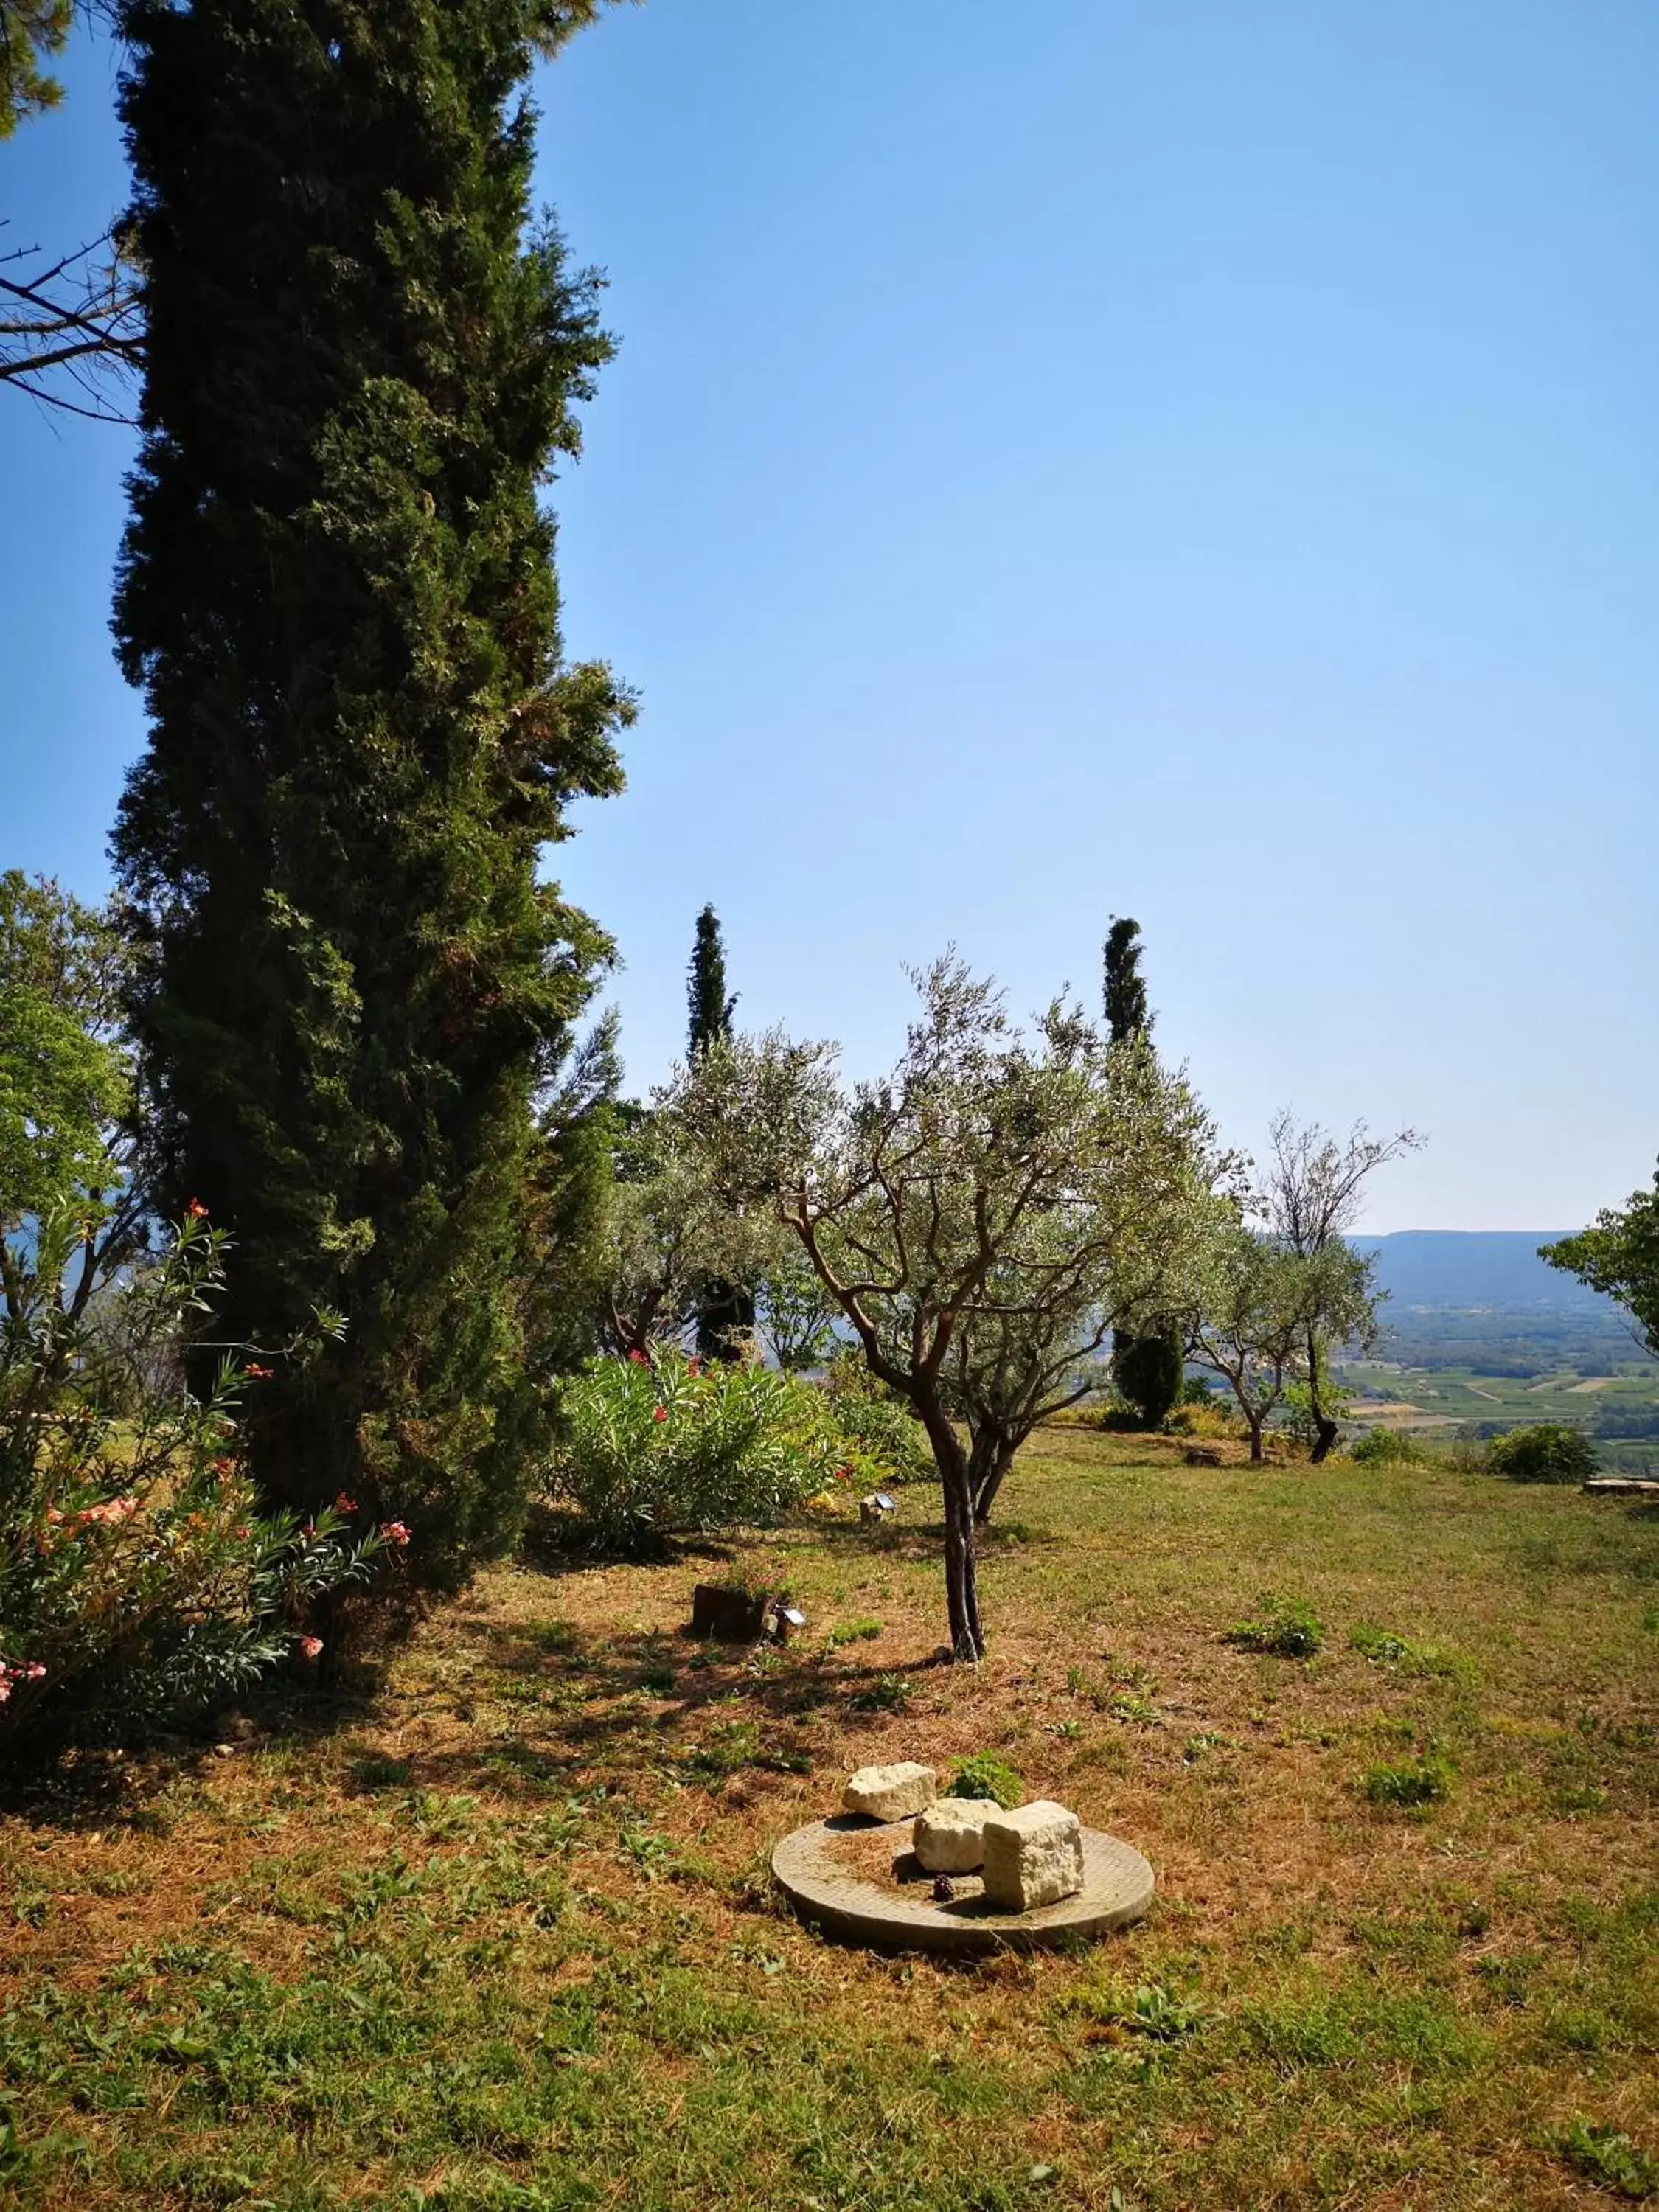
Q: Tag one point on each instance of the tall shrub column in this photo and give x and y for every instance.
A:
(338, 592)
(1148, 1369)
(726, 1310)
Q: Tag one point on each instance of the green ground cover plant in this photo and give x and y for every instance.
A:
(495, 1930)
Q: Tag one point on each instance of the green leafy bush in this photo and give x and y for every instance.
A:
(987, 1775)
(1387, 1448)
(1287, 1628)
(647, 1447)
(138, 1579)
(1550, 1452)
(879, 1429)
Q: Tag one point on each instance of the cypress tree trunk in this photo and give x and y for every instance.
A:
(337, 590)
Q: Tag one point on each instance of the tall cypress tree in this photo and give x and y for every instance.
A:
(1147, 1368)
(337, 589)
(726, 1310)
(709, 1009)
(1126, 1014)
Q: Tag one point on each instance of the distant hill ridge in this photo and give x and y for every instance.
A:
(1476, 1267)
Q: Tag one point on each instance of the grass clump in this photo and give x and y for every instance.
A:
(888, 1693)
(854, 1631)
(1286, 1627)
(1415, 1782)
(987, 1775)
(1383, 1647)
(1610, 2160)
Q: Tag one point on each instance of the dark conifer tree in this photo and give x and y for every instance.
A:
(337, 591)
(1126, 1014)
(1147, 1370)
(725, 1311)
(709, 1009)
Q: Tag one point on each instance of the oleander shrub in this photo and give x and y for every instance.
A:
(649, 1447)
(878, 1427)
(1548, 1452)
(138, 1578)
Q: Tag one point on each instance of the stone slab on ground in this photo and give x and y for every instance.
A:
(890, 1793)
(849, 1879)
(949, 1837)
(1033, 1856)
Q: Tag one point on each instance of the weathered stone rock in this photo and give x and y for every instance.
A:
(890, 1793)
(949, 1837)
(1033, 1856)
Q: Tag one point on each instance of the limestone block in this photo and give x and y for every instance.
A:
(1033, 1856)
(949, 1837)
(890, 1793)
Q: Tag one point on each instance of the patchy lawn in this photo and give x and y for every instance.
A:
(500, 1935)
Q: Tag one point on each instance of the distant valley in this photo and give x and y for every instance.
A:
(1480, 1334)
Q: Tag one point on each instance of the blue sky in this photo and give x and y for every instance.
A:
(1196, 462)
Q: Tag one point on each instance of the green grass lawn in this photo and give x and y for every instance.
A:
(498, 1932)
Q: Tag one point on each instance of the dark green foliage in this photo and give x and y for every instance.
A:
(582, 1135)
(1127, 1015)
(31, 31)
(708, 1008)
(1619, 1256)
(726, 1310)
(1548, 1452)
(1147, 1371)
(338, 592)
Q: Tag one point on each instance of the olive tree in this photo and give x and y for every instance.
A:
(983, 1216)
(1262, 1305)
(1311, 1197)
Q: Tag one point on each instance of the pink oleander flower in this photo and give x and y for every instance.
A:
(5, 1690)
(659, 1413)
(195, 1210)
(638, 1359)
(255, 1373)
(395, 1533)
(35, 1672)
(310, 1645)
(54, 1517)
(694, 1367)
(345, 1505)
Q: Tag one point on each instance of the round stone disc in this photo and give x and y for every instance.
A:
(858, 1878)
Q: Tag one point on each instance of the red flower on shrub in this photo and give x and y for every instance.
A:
(345, 1505)
(195, 1210)
(693, 1367)
(637, 1358)
(659, 1413)
(257, 1374)
(310, 1645)
(395, 1533)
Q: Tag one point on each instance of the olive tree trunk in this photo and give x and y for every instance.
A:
(961, 1561)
